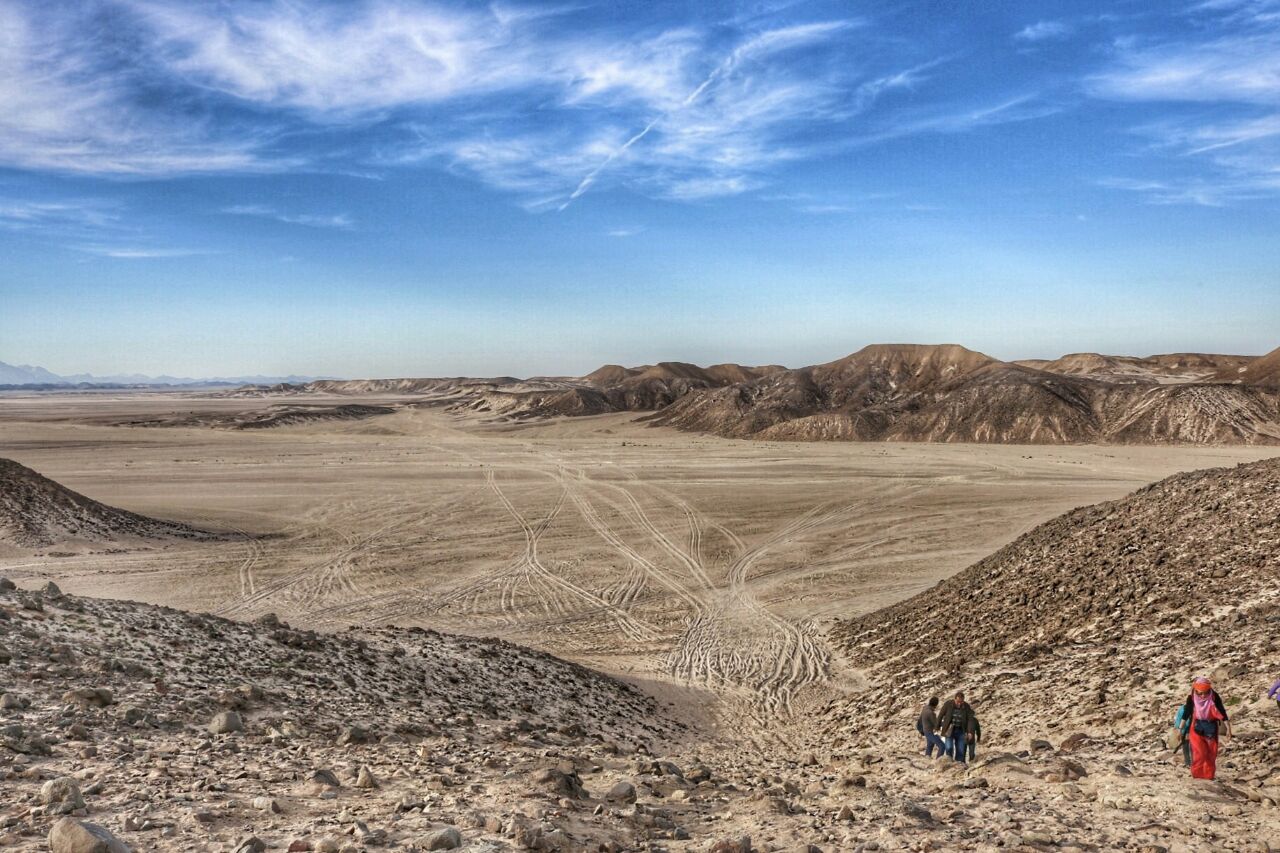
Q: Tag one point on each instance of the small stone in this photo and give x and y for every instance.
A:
(623, 792)
(252, 844)
(266, 804)
(89, 697)
(365, 778)
(446, 838)
(732, 845)
(353, 734)
(225, 723)
(50, 590)
(7, 585)
(62, 795)
(326, 777)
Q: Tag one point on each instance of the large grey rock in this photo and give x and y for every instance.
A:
(61, 796)
(73, 836)
(623, 792)
(446, 838)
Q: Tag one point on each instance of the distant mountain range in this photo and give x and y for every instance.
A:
(893, 392)
(26, 374)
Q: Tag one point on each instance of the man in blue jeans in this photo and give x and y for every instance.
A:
(927, 725)
(958, 725)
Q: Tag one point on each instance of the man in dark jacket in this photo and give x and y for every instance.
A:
(927, 725)
(958, 726)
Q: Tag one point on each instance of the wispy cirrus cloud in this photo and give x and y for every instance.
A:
(711, 129)
(134, 253)
(953, 118)
(69, 107)
(1236, 68)
(1044, 31)
(311, 220)
(1221, 91)
(340, 60)
(523, 100)
(76, 216)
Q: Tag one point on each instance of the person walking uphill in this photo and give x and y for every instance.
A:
(958, 725)
(927, 725)
(1208, 715)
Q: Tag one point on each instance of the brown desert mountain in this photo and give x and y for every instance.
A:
(1264, 371)
(951, 394)
(1151, 370)
(892, 392)
(35, 512)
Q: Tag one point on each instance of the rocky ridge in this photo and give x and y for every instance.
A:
(36, 511)
(952, 394)
(1076, 643)
(180, 731)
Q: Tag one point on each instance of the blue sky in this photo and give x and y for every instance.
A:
(396, 187)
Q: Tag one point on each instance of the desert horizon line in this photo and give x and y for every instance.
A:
(84, 377)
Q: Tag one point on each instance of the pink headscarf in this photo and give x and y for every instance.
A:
(1204, 709)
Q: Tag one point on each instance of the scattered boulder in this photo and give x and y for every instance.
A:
(267, 804)
(353, 734)
(365, 778)
(558, 781)
(89, 697)
(69, 835)
(446, 838)
(622, 792)
(226, 722)
(325, 777)
(61, 795)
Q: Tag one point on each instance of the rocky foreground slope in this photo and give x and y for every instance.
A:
(36, 511)
(177, 731)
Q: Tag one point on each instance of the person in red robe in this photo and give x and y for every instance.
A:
(1208, 720)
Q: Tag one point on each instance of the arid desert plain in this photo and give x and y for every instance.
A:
(706, 572)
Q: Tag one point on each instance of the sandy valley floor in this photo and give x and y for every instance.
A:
(667, 557)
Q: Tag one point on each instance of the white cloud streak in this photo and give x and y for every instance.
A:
(1222, 92)
(510, 96)
(1044, 31)
(133, 253)
(310, 220)
(65, 110)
